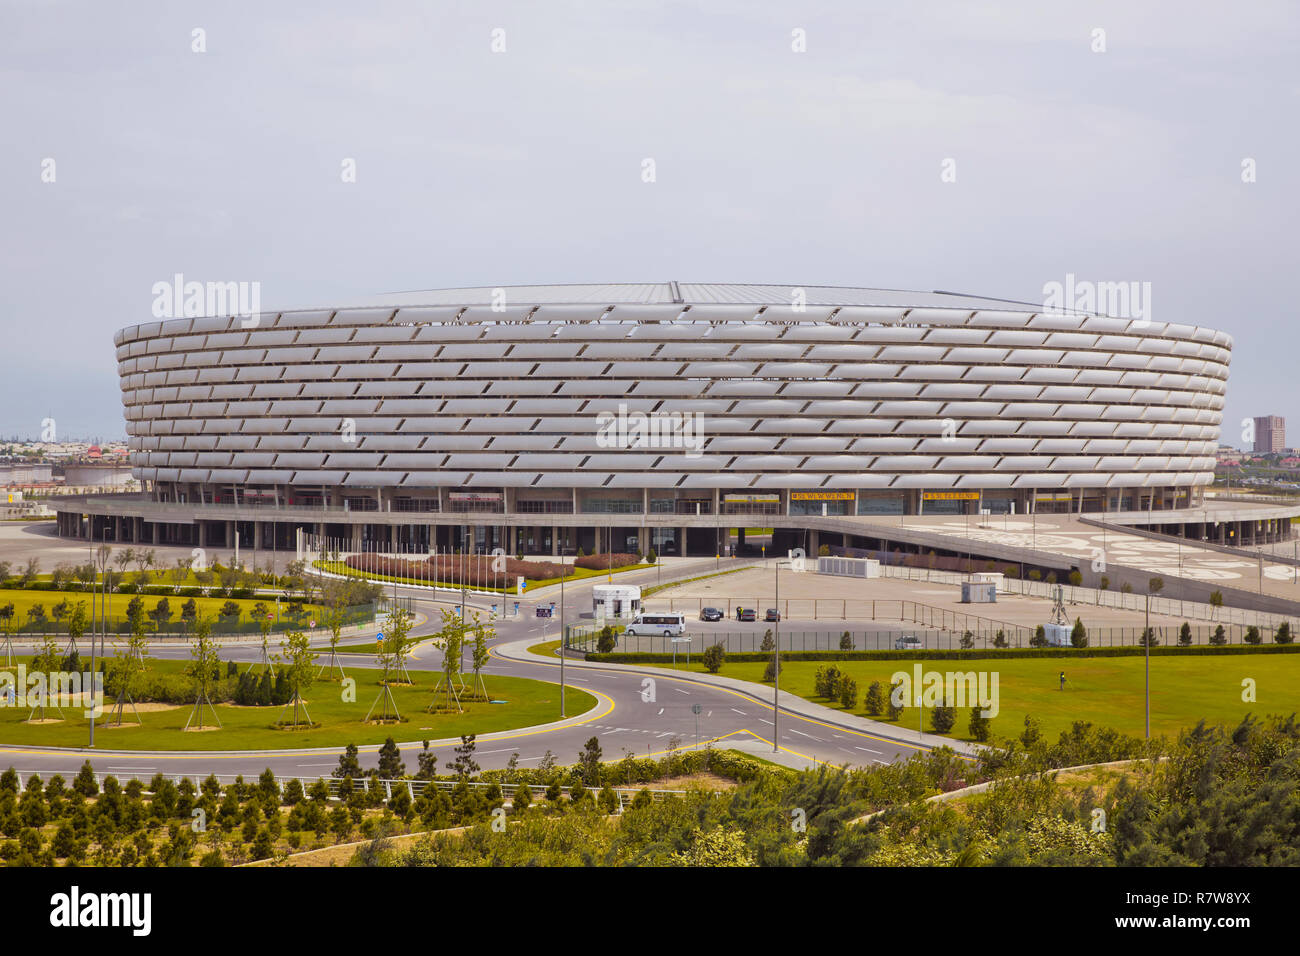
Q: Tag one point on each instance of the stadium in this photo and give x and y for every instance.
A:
(667, 417)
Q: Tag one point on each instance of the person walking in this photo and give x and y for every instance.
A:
(1062, 679)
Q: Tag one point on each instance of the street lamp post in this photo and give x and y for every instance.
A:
(776, 665)
(562, 635)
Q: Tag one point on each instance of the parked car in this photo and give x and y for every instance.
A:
(711, 614)
(909, 644)
(746, 614)
(772, 615)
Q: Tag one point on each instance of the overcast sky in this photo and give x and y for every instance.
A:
(476, 167)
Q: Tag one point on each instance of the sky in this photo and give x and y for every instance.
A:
(978, 147)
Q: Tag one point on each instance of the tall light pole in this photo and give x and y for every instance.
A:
(776, 664)
(1146, 653)
(562, 641)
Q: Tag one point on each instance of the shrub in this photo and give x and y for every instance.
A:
(942, 718)
(1040, 637)
(980, 726)
(714, 657)
(651, 557)
(1284, 635)
(1219, 637)
(1185, 635)
(1105, 583)
(875, 699)
(769, 672)
(1079, 633)
(893, 709)
(846, 641)
(1252, 635)
(1000, 639)
(848, 688)
(606, 641)
(1148, 638)
(967, 641)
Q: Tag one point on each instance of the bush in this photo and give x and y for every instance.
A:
(651, 557)
(846, 641)
(893, 709)
(967, 640)
(826, 682)
(603, 562)
(1000, 639)
(942, 718)
(1079, 634)
(1284, 635)
(1148, 638)
(1219, 637)
(714, 657)
(875, 699)
(980, 726)
(1252, 635)
(848, 688)
(606, 641)
(769, 672)
(1185, 635)
(1040, 637)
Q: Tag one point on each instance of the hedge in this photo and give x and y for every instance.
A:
(622, 657)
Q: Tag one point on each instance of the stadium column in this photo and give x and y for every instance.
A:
(643, 540)
(555, 540)
(257, 535)
(230, 534)
(681, 543)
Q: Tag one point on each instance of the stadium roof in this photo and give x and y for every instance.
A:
(700, 293)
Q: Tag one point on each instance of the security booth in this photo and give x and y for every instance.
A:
(616, 600)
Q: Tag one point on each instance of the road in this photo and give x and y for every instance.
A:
(629, 716)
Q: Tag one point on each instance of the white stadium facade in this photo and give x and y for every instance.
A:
(664, 416)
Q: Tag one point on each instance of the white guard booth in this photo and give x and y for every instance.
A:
(996, 578)
(615, 601)
(979, 592)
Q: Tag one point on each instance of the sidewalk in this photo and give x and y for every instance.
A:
(762, 694)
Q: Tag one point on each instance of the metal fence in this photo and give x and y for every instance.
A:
(931, 640)
(1167, 607)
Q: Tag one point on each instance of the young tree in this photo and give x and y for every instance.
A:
(1219, 637)
(846, 641)
(483, 632)
(1079, 634)
(713, 658)
(980, 726)
(262, 615)
(391, 766)
(392, 657)
(589, 762)
(464, 766)
(848, 688)
(203, 667)
(449, 639)
(129, 665)
(349, 766)
(298, 661)
(1185, 635)
(335, 617)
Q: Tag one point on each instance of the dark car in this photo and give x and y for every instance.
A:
(746, 614)
(772, 615)
(710, 614)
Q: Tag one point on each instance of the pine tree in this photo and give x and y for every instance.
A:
(391, 766)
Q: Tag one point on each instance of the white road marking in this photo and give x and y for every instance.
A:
(680, 691)
(869, 750)
(741, 712)
(802, 734)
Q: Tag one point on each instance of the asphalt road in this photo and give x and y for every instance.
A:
(628, 716)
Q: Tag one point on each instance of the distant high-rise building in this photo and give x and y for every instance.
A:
(1270, 434)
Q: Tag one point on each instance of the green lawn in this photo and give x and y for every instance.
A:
(1107, 691)
(339, 722)
(24, 600)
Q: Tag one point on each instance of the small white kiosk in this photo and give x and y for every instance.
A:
(615, 601)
